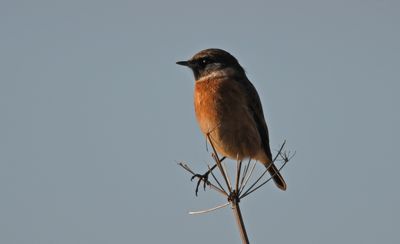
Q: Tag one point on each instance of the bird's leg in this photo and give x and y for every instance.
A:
(204, 177)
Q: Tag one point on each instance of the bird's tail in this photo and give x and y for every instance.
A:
(276, 176)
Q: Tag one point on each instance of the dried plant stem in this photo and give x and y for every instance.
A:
(209, 210)
(238, 189)
(218, 161)
(233, 197)
(238, 169)
(186, 167)
(239, 221)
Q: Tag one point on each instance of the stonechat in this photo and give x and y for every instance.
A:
(228, 109)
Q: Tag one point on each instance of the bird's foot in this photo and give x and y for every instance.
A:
(204, 178)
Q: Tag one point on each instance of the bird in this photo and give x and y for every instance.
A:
(229, 111)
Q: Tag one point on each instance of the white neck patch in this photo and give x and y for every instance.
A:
(223, 73)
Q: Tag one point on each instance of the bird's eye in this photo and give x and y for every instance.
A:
(205, 61)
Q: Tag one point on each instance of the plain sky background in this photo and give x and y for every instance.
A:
(95, 113)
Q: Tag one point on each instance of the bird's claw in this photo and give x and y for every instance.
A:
(203, 178)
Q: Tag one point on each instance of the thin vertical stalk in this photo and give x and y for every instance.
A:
(218, 161)
(239, 220)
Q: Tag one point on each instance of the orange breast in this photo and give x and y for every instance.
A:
(221, 110)
(205, 104)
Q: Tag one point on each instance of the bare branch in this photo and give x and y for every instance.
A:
(265, 171)
(239, 190)
(209, 210)
(212, 186)
(238, 169)
(216, 180)
(246, 167)
(227, 175)
(217, 160)
(249, 173)
(279, 151)
(259, 178)
(265, 182)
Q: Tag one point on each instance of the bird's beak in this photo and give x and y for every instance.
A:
(184, 63)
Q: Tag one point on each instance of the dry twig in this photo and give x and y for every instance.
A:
(239, 189)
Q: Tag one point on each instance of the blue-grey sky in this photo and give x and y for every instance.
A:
(95, 112)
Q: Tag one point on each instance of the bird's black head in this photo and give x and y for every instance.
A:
(212, 60)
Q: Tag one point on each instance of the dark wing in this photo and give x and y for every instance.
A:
(255, 106)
